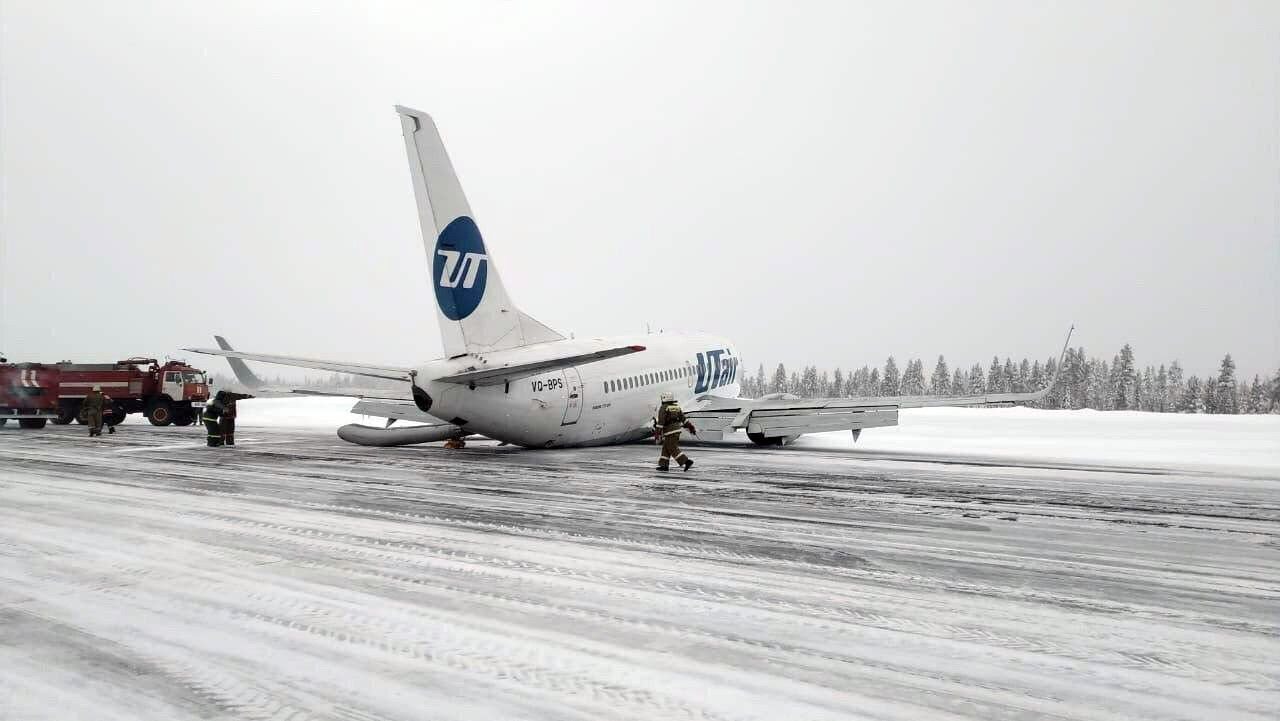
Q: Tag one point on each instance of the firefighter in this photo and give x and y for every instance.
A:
(213, 413)
(667, 429)
(227, 423)
(96, 403)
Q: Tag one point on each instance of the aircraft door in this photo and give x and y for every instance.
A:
(573, 397)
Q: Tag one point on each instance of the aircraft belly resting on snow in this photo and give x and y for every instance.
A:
(511, 378)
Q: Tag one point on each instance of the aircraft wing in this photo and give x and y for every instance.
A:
(774, 419)
(791, 417)
(394, 373)
(502, 374)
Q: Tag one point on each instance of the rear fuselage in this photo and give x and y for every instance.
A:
(608, 401)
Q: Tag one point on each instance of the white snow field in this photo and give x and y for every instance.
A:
(969, 564)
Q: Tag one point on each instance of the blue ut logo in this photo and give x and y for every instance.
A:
(460, 268)
(716, 368)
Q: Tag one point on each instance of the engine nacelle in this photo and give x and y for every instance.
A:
(370, 436)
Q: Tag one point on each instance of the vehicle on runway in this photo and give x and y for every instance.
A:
(169, 393)
(511, 378)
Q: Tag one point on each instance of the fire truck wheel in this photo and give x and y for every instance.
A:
(3, 421)
(116, 417)
(183, 418)
(161, 413)
(31, 422)
(66, 414)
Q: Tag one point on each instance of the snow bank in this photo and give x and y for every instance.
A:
(1246, 443)
(321, 412)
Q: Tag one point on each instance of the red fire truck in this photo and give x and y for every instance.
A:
(34, 393)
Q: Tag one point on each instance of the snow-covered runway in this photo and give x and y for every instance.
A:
(299, 577)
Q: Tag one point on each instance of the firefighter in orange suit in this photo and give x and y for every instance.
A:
(667, 427)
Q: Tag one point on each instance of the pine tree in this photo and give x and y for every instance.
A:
(1192, 400)
(837, 384)
(1021, 382)
(957, 383)
(1099, 385)
(1006, 377)
(1036, 381)
(993, 376)
(1144, 395)
(1124, 376)
(1225, 398)
(1273, 394)
(891, 383)
(1174, 388)
(761, 388)
(1209, 395)
(874, 386)
(976, 385)
(940, 381)
(809, 383)
(858, 382)
(1160, 399)
(793, 384)
(913, 379)
(1082, 390)
(779, 383)
(1057, 392)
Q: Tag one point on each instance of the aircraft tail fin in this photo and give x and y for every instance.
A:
(472, 306)
(239, 367)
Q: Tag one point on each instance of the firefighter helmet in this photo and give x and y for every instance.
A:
(667, 397)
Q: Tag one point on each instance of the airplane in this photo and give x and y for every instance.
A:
(508, 377)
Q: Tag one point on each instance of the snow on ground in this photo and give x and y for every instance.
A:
(143, 576)
(1237, 443)
(1248, 444)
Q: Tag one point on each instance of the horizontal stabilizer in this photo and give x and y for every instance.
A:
(360, 369)
(393, 410)
(502, 374)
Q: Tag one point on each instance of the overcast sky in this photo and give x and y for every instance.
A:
(825, 183)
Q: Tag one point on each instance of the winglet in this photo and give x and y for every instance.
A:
(241, 370)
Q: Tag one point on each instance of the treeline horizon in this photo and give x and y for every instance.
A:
(1084, 382)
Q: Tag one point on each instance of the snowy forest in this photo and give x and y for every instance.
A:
(1098, 383)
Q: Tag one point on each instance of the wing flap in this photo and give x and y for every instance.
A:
(360, 369)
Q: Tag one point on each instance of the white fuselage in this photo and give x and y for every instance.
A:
(607, 401)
